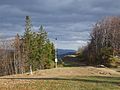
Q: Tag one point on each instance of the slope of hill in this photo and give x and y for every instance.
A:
(74, 78)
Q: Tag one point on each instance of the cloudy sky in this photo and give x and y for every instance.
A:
(70, 21)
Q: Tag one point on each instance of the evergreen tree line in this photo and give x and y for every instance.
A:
(31, 51)
(104, 46)
(37, 50)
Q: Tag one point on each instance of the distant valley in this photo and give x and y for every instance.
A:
(63, 52)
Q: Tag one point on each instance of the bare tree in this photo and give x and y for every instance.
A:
(105, 35)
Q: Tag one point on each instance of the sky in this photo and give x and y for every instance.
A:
(70, 21)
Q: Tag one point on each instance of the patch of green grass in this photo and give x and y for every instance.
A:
(69, 83)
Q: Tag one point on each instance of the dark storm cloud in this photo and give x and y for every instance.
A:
(69, 20)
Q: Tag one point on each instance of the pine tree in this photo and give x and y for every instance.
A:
(38, 50)
(27, 38)
(41, 41)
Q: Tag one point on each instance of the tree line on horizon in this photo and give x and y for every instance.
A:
(104, 46)
(33, 50)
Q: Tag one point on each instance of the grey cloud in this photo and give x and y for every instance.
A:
(69, 20)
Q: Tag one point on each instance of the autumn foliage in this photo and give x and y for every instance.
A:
(105, 42)
(33, 50)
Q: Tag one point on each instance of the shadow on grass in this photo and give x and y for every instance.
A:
(107, 78)
(73, 62)
(90, 79)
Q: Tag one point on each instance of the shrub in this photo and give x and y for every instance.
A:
(112, 61)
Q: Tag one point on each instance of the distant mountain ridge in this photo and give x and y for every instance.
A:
(63, 52)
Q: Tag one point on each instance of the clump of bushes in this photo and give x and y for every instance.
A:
(112, 61)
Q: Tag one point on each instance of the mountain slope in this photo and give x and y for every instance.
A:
(75, 78)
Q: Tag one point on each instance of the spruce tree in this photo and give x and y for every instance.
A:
(38, 50)
(27, 38)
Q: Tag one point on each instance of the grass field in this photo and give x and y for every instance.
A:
(63, 83)
(69, 78)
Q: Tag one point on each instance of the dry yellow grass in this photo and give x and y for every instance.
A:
(69, 71)
(65, 77)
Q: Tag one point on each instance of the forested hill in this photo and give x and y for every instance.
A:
(62, 52)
